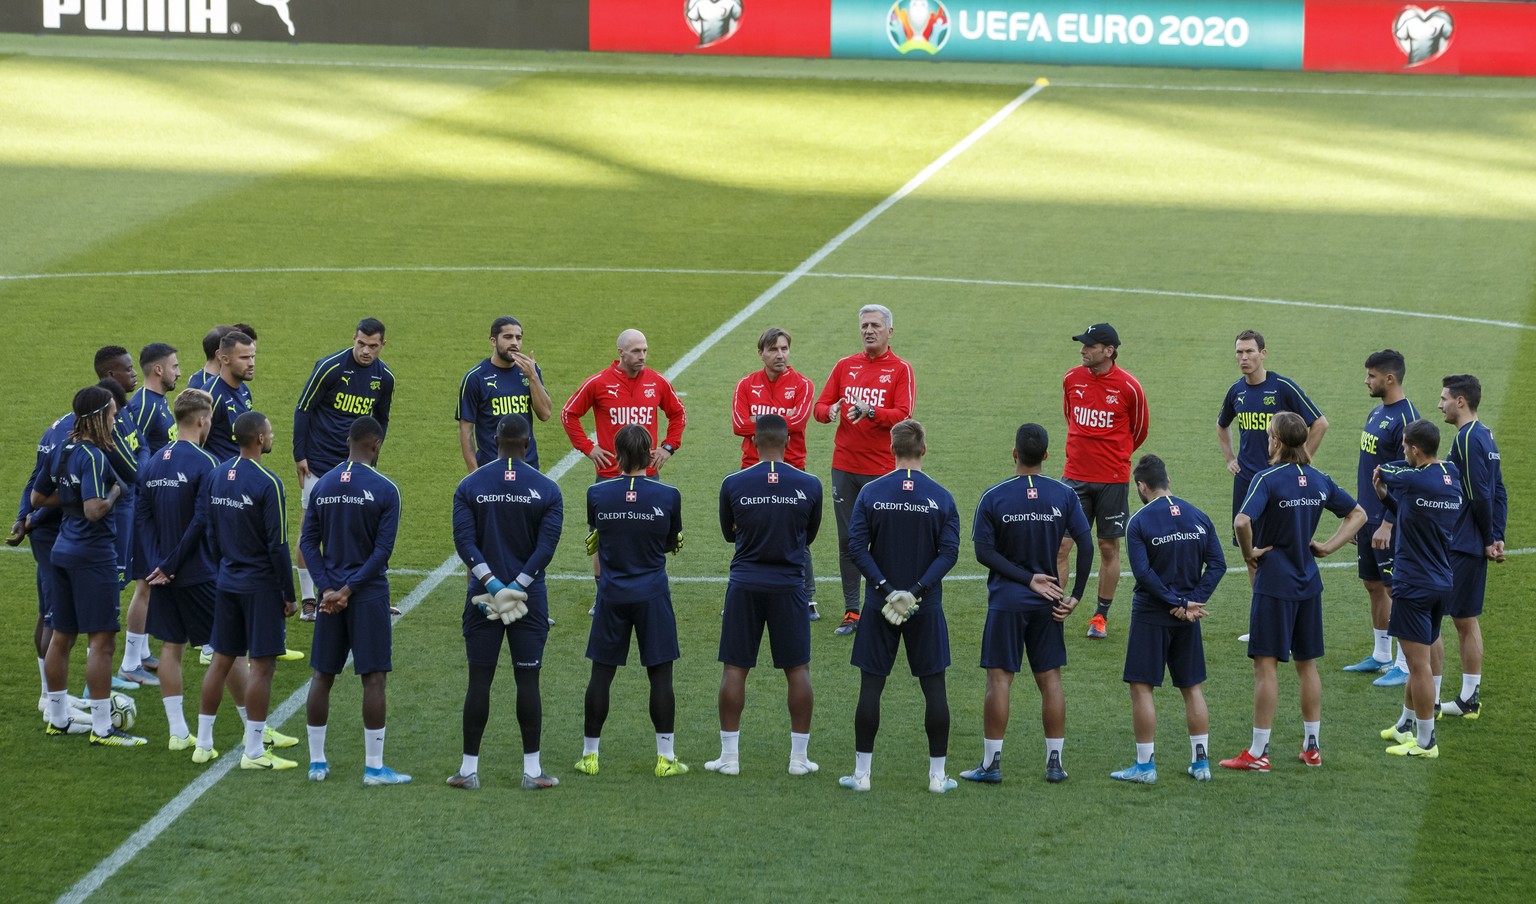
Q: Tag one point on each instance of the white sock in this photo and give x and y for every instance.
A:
(1260, 743)
(1469, 686)
(1310, 732)
(205, 731)
(58, 707)
(133, 651)
(174, 716)
(373, 748)
(1402, 658)
(1143, 753)
(861, 763)
(254, 748)
(1382, 651)
(729, 744)
(989, 750)
(244, 719)
(306, 585)
(664, 746)
(797, 745)
(1053, 745)
(1406, 718)
(469, 765)
(936, 765)
(1198, 744)
(1426, 732)
(531, 764)
(43, 673)
(1438, 678)
(101, 716)
(316, 743)
(588, 745)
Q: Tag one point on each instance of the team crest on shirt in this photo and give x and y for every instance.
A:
(1446, 478)
(773, 477)
(509, 474)
(231, 474)
(906, 485)
(1269, 398)
(1301, 480)
(789, 394)
(631, 496)
(1383, 425)
(650, 392)
(166, 454)
(1173, 510)
(1033, 493)
(1111, 398)
(885, 378)
(346, 476)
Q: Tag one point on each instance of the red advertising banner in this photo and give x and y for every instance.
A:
(786, 28)
(1432, 38)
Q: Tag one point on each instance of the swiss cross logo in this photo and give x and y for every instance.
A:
(1446, 478)
(1034, 493)
(906, 485)
(1301, 480)
(789, 394)
(346, 476)
(631, 496)
(231, 474)
(166, 454)
(773, 477)
(1173, 510)
(509, 475)
(650, 392)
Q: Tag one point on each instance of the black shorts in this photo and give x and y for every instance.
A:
(362, 629)
(1010, 633)
(524, 638)
(926, 635)
(42, 554)
(180, 614)
(749, 609)
(1150, 648)
(1107, 505)
(249, 624)
(654, 625)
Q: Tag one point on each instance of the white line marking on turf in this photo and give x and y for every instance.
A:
(189, 795)
(955, 280)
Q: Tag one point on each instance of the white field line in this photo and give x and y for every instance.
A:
(618, 68)
(189, 795)
(954, 280)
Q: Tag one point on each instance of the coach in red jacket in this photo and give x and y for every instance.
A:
(1106, 413)
(873, 391)
(622, 394)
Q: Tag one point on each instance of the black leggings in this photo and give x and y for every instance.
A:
(866, 718)
(477, 707)
(663, 701)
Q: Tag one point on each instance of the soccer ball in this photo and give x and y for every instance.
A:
(124, 711)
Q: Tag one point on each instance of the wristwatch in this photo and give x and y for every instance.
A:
(671, 449)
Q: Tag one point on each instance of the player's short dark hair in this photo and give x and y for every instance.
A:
(154, 353)
(365, 428)
(116, 388)
(1465, 386)
(633, 446)
(191, 403)
(371, 326)
(1289, 428)
(214, 338)
(772, 431)
(245, 328)
(1151, 472)
(501, 323)
(1031, 442)
(908, 439)
(512, 428)
(1255, 335)
(771, 336)
(108, 355)
(232, 339)
(1422, 435)
(248, 427)
(1388, 361)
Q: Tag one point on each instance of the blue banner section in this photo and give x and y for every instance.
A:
(1251, 34)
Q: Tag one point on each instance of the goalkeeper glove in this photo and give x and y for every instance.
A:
(592, 542)
(900, 605)
(512, 604)
(679, 547)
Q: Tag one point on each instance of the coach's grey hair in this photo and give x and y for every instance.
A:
(882, 310)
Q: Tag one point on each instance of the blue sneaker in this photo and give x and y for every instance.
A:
(385, 776)
(1369, 664)
(118, 684)
(1145, 773)
(1200, 770)
(319, 772)
(1393, 677)
(990, 773)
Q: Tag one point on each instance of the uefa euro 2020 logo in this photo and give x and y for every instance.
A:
(918, 25)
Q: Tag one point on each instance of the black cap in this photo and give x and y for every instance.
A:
(1099, 334)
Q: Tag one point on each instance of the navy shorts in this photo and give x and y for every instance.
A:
(1106, 505)
(122, 512)
(926, 635)
(1150, 648)
(1375, 564)
(1283, 628)
(42, 554)
(249, 624)
(1470, 585)
(1009, 634)
(180, 614)
(86, 596)
(1416, 614)
(749, 609)
(361, 629)
(524, 638)
(139, 565)
(654, 625)
(1240, 485)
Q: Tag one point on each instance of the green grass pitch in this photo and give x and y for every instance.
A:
(151, 189)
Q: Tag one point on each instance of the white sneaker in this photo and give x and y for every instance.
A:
(1242, 638)
(724, 765)
(802, 767)
(941, 784)
(855, 782)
